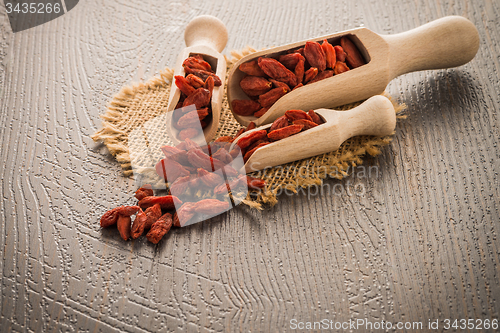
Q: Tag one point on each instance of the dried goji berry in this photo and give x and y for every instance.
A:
(111, 216)
(188, 133)
(223, 155)
(176, 154)
(354, 58)
(209, 85)
(255, 85)
(256, 143)
(251, 126)
(222, 189)
(245, 107)
(251, 68)
(199, 98)
(144, 220)
(167, 202)
(310, 74)
(226, 138)
(182, 83)
(199, 159)
(321, 76)
(180, 185)
(290, 60)
(299, 72)
(270, 97)
(123, 226)
(247, 140)
(203, 75)
(210, 179)
(240, 132)
(170, 169)
(138, 225)
(251, 151)
(195, 81)
(197, 63)
(279, 123)
(284, 132)
(330, 56)
(317, 119)
(255, 183)
(306, 123)
(297, 114)
(298, 86)
(145, 191)
(315, 55)
(153, 213)
(159, 228)
(184, 214)
(340, 67)
(277, 71)
(261, 112)
(211, 206)
(192, 119)
(279, 84)
(339, 53)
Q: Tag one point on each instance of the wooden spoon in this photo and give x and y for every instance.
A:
(375, 116)
(205, 35)
(447, 42)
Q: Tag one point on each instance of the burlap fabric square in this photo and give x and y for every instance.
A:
(141, 107)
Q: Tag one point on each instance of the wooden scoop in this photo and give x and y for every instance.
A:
(376, 116)
(205, 35)
(447, 42)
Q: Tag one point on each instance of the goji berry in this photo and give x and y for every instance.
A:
(315, 55)
(310, 74)
(182, 83)
(197, 63)
(251, 68)
(321, 76)
(340, 67)
(354, 58)
(306, 123)
(277, 71)
(270, 97)
(255, 85)
(199, 98)
(330, 55)
(167, 202)
(297, 114)
(284, 132)
(123, 226)
(159, 228)
(245, 107)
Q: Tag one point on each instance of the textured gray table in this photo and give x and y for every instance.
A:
(415, 241)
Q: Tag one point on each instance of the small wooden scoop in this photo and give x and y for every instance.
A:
(447, 42)
(376, 116)
(205, 35)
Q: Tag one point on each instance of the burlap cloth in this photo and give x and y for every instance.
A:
(134, 105)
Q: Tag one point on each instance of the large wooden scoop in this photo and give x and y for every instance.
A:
(205, 35)
(375, 116)
(447, 42)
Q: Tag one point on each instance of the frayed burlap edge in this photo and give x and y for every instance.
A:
(138, 103)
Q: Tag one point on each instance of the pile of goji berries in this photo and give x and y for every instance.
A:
(185, 167)
(196, 90)
(293, 122)
(269, 79)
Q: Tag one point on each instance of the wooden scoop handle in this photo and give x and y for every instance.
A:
(375, 116)
(206, 30)
(450, 41)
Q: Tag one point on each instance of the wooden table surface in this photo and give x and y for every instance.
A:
(415, 240)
